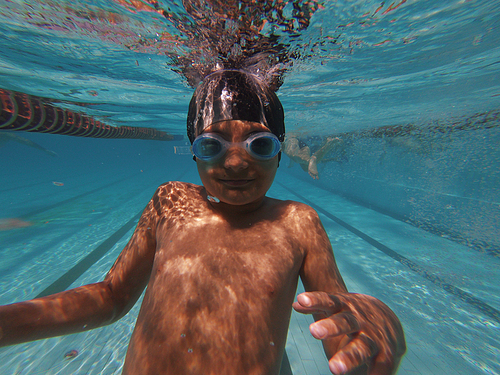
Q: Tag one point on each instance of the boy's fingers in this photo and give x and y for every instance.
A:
(356, 353)
(335, 325)
(317, 302)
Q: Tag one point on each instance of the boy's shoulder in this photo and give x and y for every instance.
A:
(178, 190)
(176, 195)
(299, 223)
(292, 205)
(295, 211)
(178, 187)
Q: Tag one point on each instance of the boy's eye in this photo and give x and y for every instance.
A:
(211, 147)
(262, 146)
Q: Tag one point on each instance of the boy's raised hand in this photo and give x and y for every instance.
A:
(370, 334)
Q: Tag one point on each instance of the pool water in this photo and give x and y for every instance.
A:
(411, 201)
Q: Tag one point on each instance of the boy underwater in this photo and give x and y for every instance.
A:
(221, 262)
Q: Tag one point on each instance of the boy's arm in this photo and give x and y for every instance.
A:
(89, 306)
(357, 330)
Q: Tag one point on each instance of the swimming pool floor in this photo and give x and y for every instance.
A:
(445, 334)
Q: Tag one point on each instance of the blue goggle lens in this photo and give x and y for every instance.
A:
(209, 147)
(263, 146)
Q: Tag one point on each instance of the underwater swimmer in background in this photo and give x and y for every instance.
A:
(221, 276)
(300, 153)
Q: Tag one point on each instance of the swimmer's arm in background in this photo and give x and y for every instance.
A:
(89, 306)
(358, 332)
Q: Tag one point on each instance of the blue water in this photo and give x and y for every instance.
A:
(413, 217)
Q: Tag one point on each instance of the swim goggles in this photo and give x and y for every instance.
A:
(261, 146)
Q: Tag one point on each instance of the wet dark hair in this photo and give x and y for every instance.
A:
(234, 95)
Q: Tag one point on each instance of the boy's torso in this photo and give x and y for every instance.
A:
(220, 293)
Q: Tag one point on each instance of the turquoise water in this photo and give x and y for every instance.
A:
(411, 200)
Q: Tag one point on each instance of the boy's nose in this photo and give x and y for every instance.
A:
(235, 159)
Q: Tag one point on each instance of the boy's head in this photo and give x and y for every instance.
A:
(236, 106)
(234, 95)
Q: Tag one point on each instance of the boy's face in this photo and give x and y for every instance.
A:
(237, 178)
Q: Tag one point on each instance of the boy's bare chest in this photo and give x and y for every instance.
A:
(212, 245)
(225, 259)
(211, 282)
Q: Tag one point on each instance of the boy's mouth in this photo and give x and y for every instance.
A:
(235, 182)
